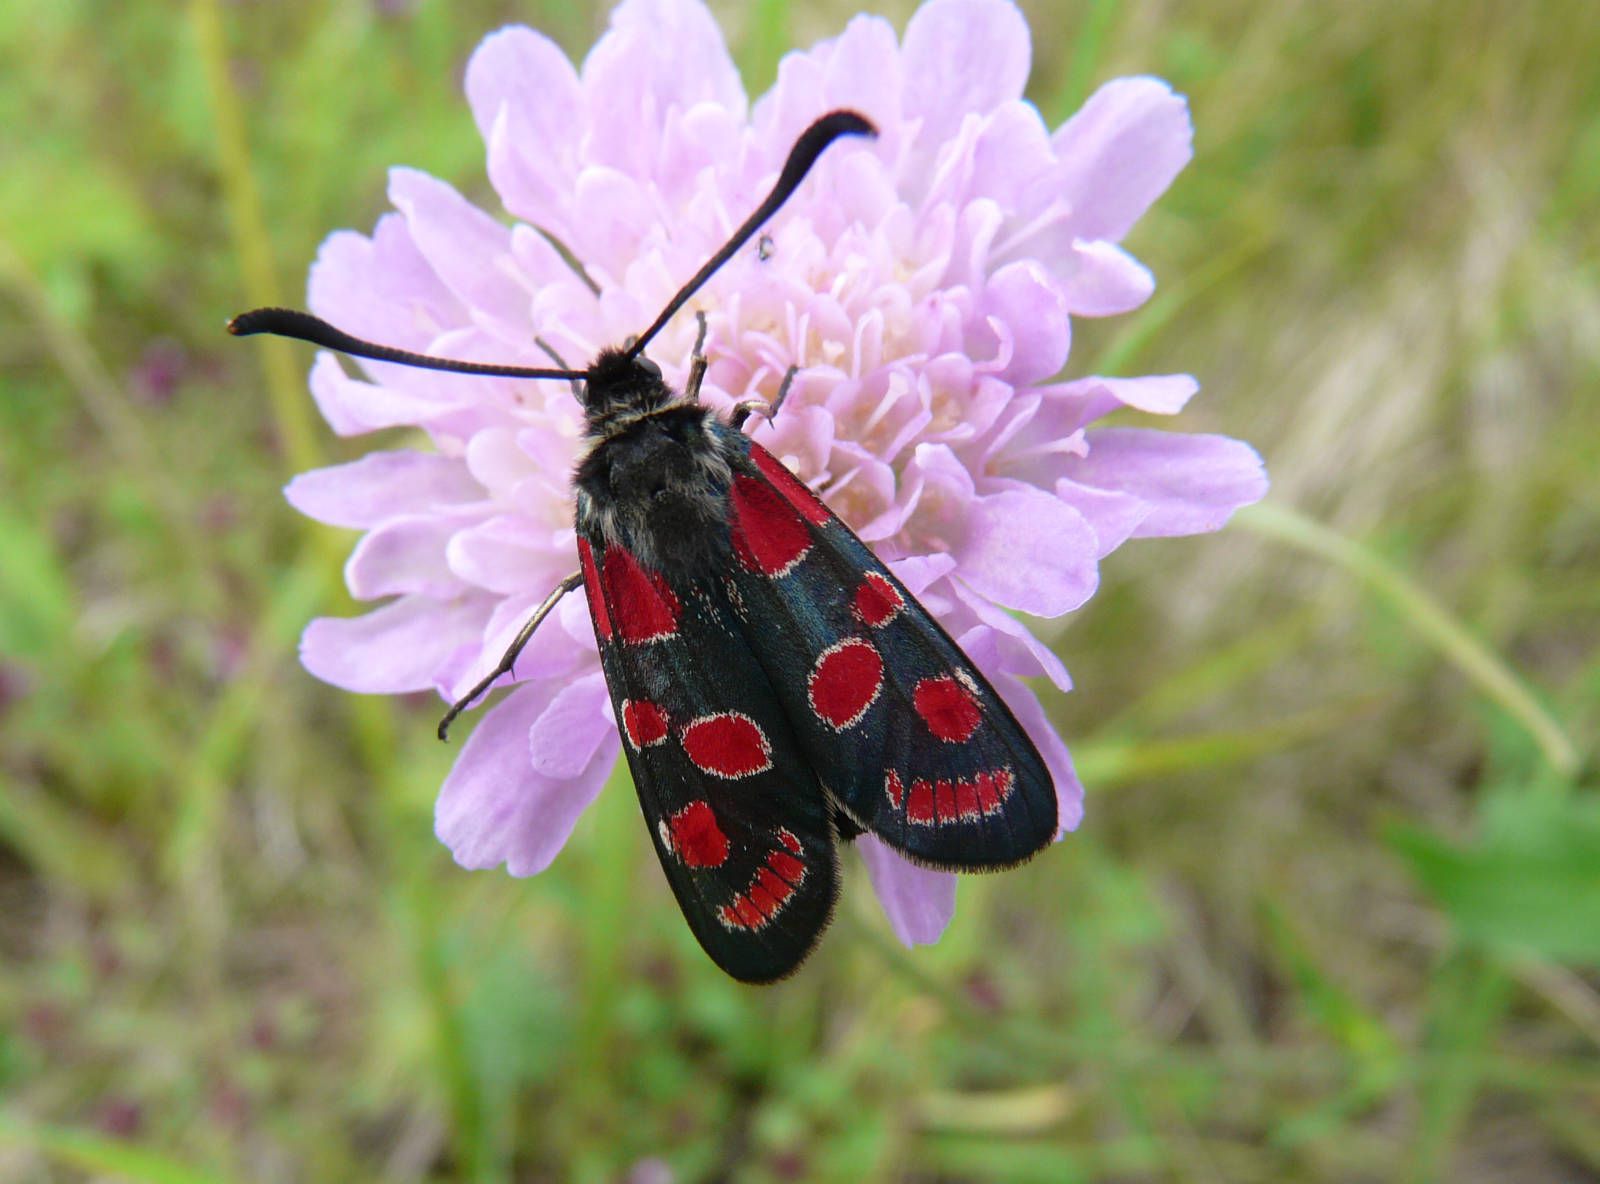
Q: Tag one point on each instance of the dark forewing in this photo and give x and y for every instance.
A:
(735, 811)
(902, 730)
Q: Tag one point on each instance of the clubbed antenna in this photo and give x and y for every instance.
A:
(302, 326)
(802, 156)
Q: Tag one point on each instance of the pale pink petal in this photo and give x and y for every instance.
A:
(1028, 550)
(562, 645)
(1156, 394)
(467, 249)
(529, 108)
(962, 56)
(1120, 152)
(381, 287)
(918, 902)
(659, 57)
(1019, 651)
(572, 729)
(495, 809)
(1031, 303)
(502, 555)
(406, 555)
(1042, 731)
(863, 74)
(382, 485)
(617, 214)
(353, 406)
(1103, 280)
(394, 649)
(1112, 516)
(1192, 483)
(919, 572)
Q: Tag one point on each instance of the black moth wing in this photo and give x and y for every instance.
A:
(741, 825)
(903, 731)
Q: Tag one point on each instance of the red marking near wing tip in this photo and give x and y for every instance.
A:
(591, 587)
(769, 536)
(948, 707)
(769, 889)
(919, 806)
(728, 744)
(793, 489)
(893, 788)
(787, 866)
(877, 601)
(692, 834)
(764, 901)
(845, 682)
(938, 802)
(644, 607)
(967, 808)
(643, 722)
(776, 886)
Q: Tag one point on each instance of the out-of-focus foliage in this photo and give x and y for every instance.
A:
(1332, 915)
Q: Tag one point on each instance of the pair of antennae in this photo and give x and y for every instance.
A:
(288, 322)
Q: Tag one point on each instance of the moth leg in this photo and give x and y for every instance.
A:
(742, 411)
(697, 362)
(577, 387)
(509, 658)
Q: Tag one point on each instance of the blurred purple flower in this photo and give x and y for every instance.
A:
(925, 284)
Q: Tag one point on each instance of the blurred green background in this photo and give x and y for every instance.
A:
(1334, 913)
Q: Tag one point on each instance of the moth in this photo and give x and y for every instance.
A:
(777, 688)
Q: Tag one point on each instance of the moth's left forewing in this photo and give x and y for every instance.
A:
(742, 829)
(904, 732)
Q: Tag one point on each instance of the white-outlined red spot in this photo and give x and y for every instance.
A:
(948, 706)
(877, 601)
(845, 682)
(947, 800)
(694, 836)
(728, 744)
(643, 723)
(770, 888)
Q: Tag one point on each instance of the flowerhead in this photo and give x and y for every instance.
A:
(925, 284)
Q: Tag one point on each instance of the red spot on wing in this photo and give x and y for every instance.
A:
(769, 889)
(764, 901)
(893, 788)
(967, 808)
(769, 536)
(774, 885)
(694, 836)
(989, 787)
(948, 708)
(877, 601)
(643, 722)
(728, 744)
(591, 587)
(919, 806)
(845, 682)
(643, 607)
(793, 489)
(787, 866)
(938, 802)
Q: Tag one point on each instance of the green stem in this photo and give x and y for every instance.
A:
(250, 240)
(1427, 616)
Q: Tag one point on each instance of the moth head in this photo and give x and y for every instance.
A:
(619, 382)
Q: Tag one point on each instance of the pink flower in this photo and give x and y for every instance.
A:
(925, 283)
